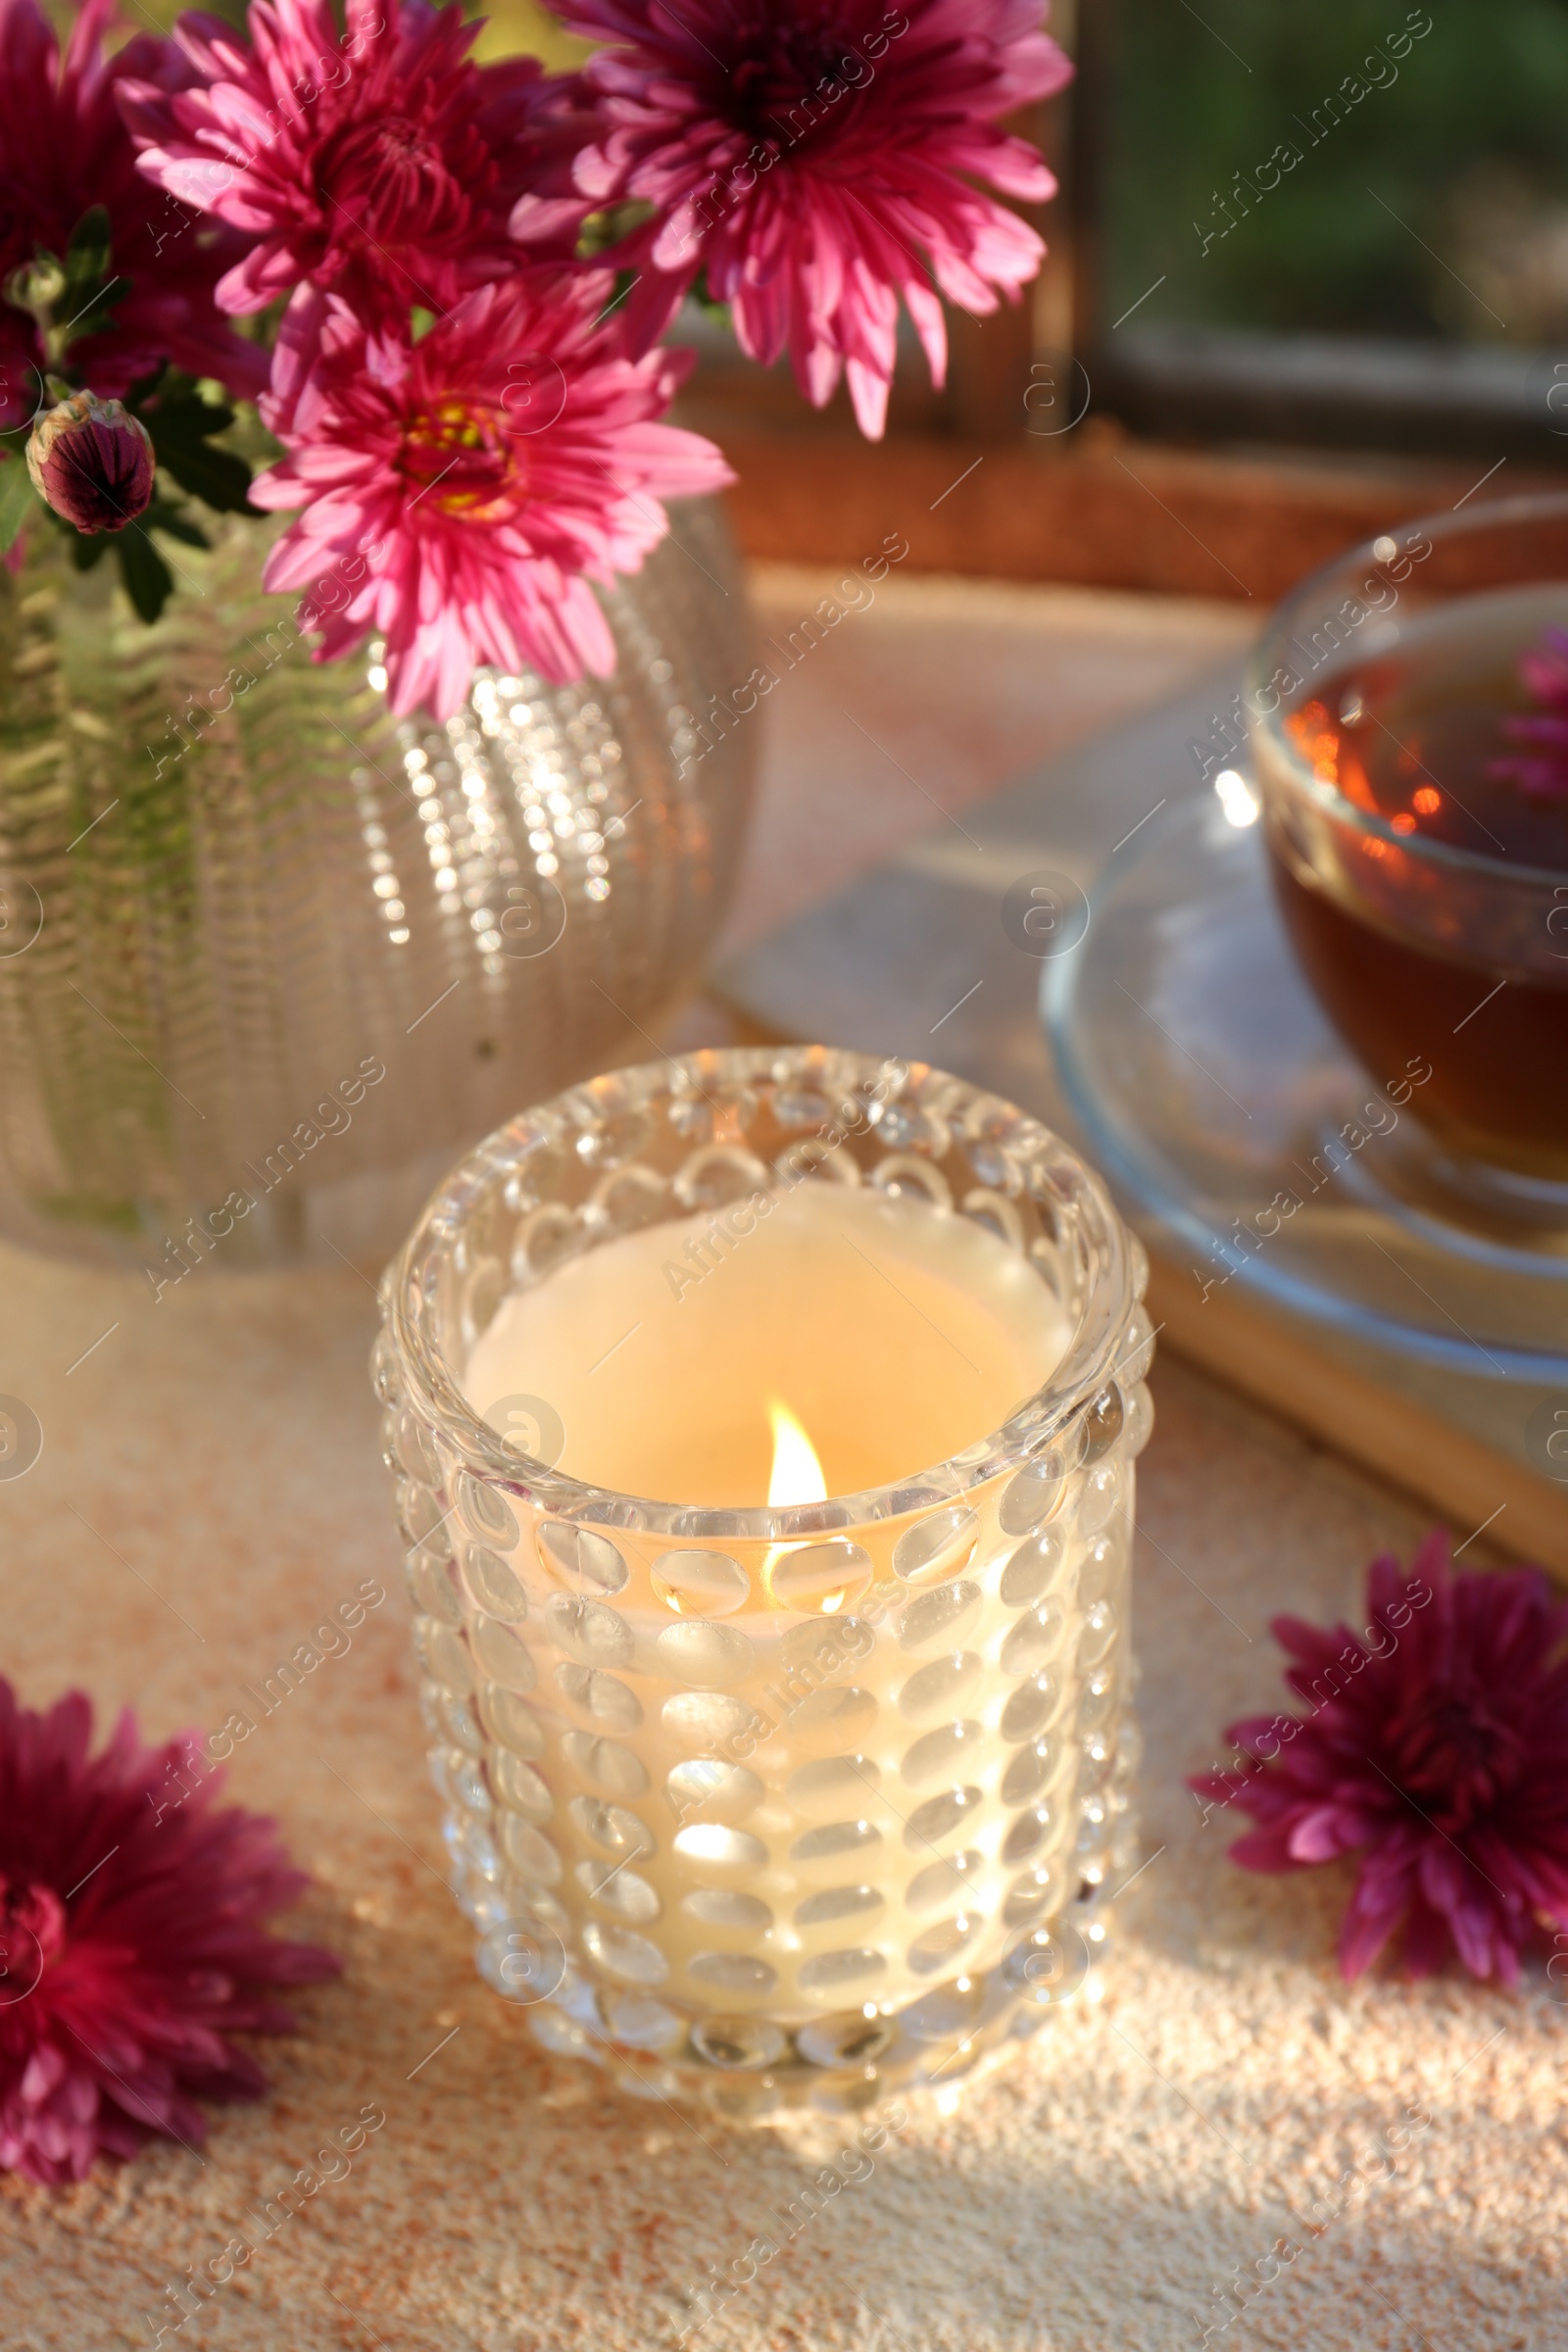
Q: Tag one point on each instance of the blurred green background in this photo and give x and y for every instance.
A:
(1469, 147)
(514, 25)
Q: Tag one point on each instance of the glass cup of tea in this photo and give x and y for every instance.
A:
(1409, 709)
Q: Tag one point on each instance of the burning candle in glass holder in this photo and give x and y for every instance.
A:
(766, 1424)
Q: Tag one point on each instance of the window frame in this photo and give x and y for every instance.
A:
(1439, 398)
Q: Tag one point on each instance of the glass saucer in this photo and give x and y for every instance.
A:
(1214, 1093)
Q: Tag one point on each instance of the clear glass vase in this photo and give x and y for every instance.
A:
(782, 1806)
(268, 956)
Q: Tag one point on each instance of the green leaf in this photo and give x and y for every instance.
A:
(87, 548)
(162, 516)
(625, 280)
(88, 254)
(222, 481)
(709, 303)
(183, 414)
(181, 424)
(87, 305)
(148, 580)
(144, 387)
(16, 495)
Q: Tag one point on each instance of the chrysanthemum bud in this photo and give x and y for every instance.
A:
(92, 462)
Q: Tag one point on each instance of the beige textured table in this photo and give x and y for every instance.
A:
(210, 1485)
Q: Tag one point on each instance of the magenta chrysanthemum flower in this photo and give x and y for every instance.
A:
(1543, 772)
(817, 162)
(1435, 1748)
(130, 1926)
(458, 491)
(380, 163)
(64, 150)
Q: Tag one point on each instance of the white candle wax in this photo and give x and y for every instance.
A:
(895, 1335)
(786, 1812)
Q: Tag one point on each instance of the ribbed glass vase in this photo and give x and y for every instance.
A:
(269, 956)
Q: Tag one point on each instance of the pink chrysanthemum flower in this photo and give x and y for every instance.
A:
(132, 1947)
(817, 162)
(1436, 1749)
(458, 491)
(62, 150)
(1542, 771)
(380, 163)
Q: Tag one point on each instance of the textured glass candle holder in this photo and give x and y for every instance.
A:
(780, 1807)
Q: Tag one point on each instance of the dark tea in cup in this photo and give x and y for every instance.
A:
(1416, 786)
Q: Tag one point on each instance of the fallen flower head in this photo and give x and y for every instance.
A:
(130, 1942)
(1436, 1749)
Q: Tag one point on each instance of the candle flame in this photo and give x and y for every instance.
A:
(797, 1475)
